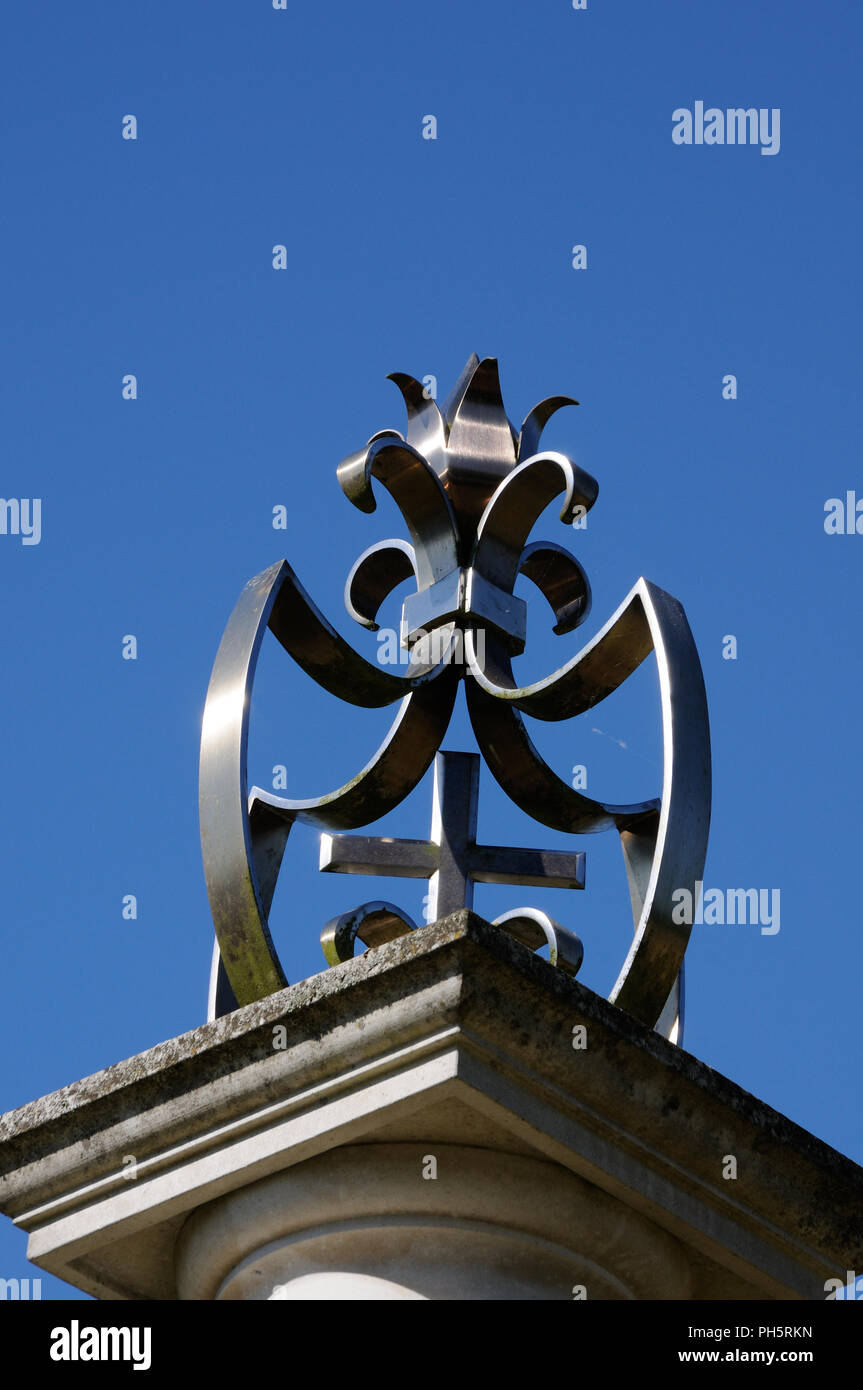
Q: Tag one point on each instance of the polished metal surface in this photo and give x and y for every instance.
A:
(534, 929)
(372, 923)
(470, 488)
(451, 859)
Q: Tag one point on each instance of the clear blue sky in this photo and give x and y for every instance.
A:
(154, 257)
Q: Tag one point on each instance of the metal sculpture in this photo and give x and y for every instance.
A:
(470, 489)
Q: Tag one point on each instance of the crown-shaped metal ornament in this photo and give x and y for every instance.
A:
(470, 489)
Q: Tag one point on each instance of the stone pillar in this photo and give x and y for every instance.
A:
(418, 1123)
(363, 1222)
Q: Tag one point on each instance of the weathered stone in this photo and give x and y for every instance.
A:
(454, 1042)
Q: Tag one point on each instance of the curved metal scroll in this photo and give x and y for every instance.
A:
(372, 578)
(243, 835)
(664, 841)
(535, 929)
(374, 924)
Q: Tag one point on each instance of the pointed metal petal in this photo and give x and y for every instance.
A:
(454, 399)
(426, 429)
(481, 444)
(480, 410)
(535, 422)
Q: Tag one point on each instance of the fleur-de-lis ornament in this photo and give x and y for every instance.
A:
(470, 489)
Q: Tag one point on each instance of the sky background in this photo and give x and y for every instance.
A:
(303, 127)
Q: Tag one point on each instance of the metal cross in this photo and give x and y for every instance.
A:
(451, 860)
